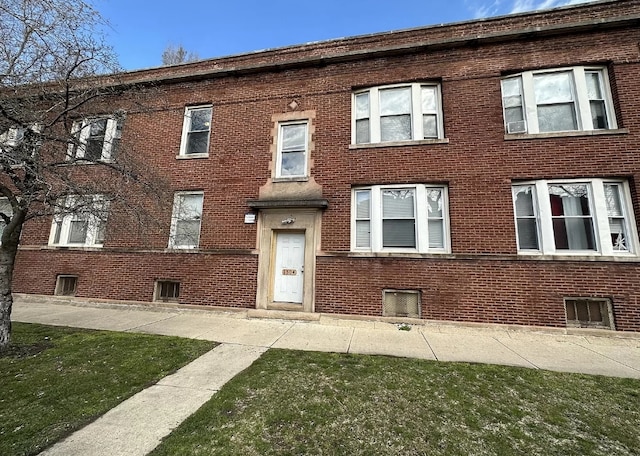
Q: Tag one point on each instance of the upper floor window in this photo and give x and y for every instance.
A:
(293, 149)
(406, 112)
(196, 130)
(80, 221)
(96, 139)
(400, 218)
(588, 216)
(568, 99)
(185, 220)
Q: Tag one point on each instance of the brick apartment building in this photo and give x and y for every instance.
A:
(482, 171)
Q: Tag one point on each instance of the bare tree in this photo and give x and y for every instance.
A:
(57, 87)
(174, 55)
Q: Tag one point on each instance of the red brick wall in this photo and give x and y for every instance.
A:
(477, 164)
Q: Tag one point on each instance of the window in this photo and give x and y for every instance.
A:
(401, 303)
(589, 313)
(292, 149)
(570, 99)
(196, 130)
(97, 139)
(397, 113)
(400, 218)
(66, 285)
(80, 222)
(185, 221)
(588, 216)
(167, 291)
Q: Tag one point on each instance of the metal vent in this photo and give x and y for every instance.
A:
(401, 303)
(519, 126)
(66, 285)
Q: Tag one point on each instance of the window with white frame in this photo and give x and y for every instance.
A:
(196, 130)
(80, 222)
(400, 218)
(567, 99)
(406, 112)
(96, 139)
(186, 219)
(587, 216)
(293, 149)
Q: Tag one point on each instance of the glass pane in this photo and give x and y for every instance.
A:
(78, 231)
(363, 204)
(363, 233)
(593, 86)
(618, 235)
(595, 313)
(397, 203)
(511, 87)
(575, 233)
(513, 114)
(190, 206)
(436, 234)
(512, 102)
(362, 106)
(524, 201)
(598, 115)
(552, 88)
(557, 117)
(395, 128)
(583, 310)
(571, 310)
(428, 99)
(569, 199)
(612, 197)
(99, 233)
(398, 233)
(395, 101)
(93, 149)
(200, 119)
(198, 143)
(527, 234)
(187, 233)
(292, 164)
(294, 137)
(98, 127)
(5, 207)
(429, 126)
(434, 203)
(362, 131)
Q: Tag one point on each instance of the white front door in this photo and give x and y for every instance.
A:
(289, 267)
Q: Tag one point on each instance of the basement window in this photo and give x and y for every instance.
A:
(589, 313)
(401, 303)
(167, 291)
(66, 285)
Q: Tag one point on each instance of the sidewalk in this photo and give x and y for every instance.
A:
(137, 425)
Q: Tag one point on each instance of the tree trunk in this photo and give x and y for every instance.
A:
(8, 251)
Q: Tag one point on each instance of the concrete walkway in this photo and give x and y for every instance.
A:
(137, 425)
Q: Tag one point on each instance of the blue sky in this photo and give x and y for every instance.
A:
(140, 30)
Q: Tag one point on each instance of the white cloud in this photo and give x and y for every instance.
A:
(488, 8)
(520, 6)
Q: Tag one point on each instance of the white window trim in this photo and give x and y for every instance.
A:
(174, 221)
(581, 100)
(279, 175)
(186, 124)
(599, 214)
(421, 218)
(82, 129)
(417, 133)
(65, 228)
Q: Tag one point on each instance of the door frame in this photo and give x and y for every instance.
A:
(270, 222)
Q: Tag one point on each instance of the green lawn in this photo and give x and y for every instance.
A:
(303, 403)
(54, 380)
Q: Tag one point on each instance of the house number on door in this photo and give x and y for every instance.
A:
(289, 272)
